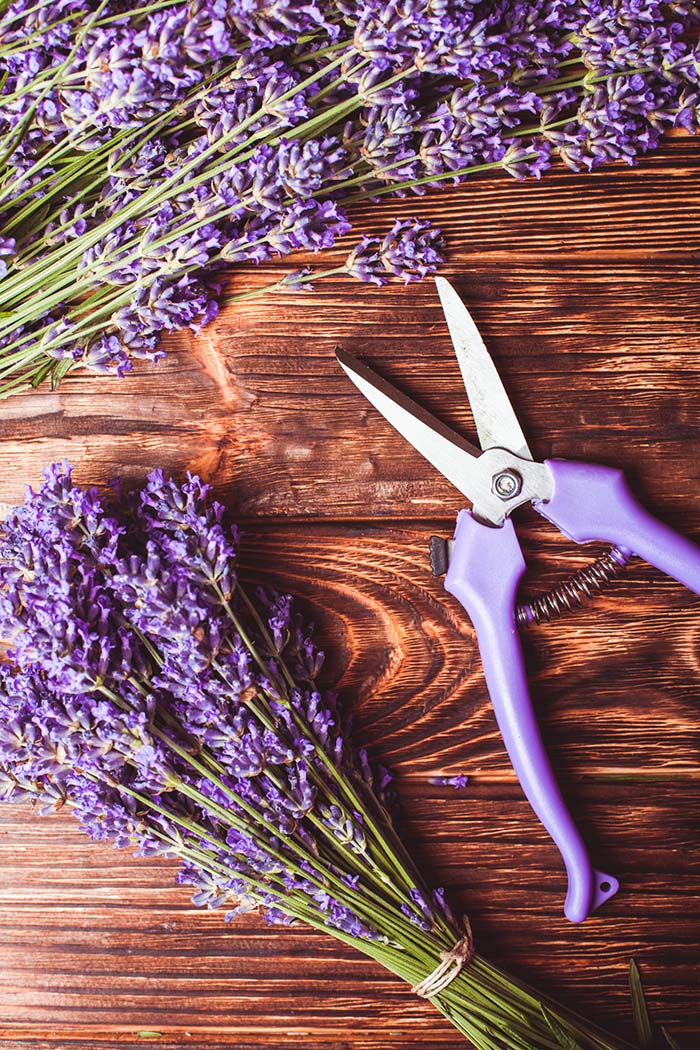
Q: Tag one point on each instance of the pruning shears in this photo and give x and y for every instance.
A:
(483, 563)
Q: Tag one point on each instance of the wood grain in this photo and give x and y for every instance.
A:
(126, 952)
(585, 289)
(410, 667)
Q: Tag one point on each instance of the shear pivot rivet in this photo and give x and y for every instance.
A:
(507, 484)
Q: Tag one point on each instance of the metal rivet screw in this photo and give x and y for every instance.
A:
(507, 484)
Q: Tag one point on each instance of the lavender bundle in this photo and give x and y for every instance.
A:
(143, 151)
(178, 715)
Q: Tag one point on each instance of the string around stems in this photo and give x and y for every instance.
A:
(451, 964)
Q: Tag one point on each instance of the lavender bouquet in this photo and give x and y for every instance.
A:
(145, 149)
(178, 715)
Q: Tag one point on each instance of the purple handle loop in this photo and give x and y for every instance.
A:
(591, 502)
(486, 565)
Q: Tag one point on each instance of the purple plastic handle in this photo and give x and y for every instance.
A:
(591, 502)
(486, 565)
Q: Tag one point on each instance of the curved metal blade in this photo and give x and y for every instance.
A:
(496, 422)
(449, 453)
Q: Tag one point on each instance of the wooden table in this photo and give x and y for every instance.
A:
(586, 290)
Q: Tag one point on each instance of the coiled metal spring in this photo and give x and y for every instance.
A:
(568, 595)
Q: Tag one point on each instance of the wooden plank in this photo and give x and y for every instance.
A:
(651, 210)
(585, 288)
(424, 711)
(602, 363)
(102, 946)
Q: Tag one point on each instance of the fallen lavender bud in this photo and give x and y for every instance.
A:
(459, 781)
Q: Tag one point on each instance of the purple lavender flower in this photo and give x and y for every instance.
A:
(108, 356)
(688, 115)
(388, 145)
(279, 22)
(166, 304)
(308, 226)
(525, 160)
(410, 251)
(7, 250)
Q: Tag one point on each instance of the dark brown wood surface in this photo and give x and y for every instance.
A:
(586, 291)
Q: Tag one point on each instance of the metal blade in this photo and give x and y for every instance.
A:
(496, 422)
(449, 453)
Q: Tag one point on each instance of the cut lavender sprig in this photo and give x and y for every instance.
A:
(411, 250)
(178, 714)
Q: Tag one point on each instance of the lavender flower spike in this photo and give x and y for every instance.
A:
(410, 251)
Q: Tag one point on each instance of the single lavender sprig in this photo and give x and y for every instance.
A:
(178, 714)
(411, 250)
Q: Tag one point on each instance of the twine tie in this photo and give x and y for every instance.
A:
(450, 966)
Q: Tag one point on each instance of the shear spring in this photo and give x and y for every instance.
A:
(573, 592)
